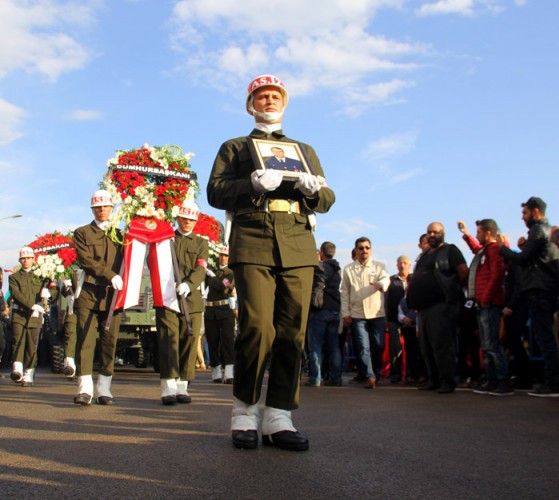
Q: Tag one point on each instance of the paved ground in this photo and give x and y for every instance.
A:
(393, 442)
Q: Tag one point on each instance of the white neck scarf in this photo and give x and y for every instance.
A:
(102, 225)
(268, 127)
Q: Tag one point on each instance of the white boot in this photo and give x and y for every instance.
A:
(17, 371)
(85, 385)
(28, 375)
(168, 387)
(168, 391)
(228, 374)
(69, 367)
(103, 389)
(244, 417)
(217, 374)
(276, 420)
(182, 387)
(182, 391)
(85, 390)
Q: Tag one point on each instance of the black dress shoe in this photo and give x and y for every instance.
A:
(287, 440)
(217, 381)
(428, 386)
(16, 376)
(83, 399)
(183, 398)
(169, 400)
(246, 440)
(446, 389)
(26, 383)
(104, 400)
(69, 371)
(228, 381)
(329, 383)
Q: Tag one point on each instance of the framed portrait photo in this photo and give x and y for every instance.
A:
(286, 157)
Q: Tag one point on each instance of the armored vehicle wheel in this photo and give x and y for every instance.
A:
(57, 358)
(141, 361)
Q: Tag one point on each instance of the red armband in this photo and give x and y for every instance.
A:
(201, 262)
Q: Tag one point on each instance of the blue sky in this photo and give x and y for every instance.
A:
(420, 110)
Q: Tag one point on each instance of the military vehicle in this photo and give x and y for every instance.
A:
(137, 341)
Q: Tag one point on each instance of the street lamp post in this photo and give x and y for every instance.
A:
(15, 216)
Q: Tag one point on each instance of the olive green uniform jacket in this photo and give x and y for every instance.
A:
(100, 258)
(279, 239)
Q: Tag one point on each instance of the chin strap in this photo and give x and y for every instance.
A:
(268, 117)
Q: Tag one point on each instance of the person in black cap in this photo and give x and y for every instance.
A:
(539, 258)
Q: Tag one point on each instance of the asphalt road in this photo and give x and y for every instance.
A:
(393, 442)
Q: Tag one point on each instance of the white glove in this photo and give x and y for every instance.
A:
(45, 294)
(309, 185)
(67, 283)
(37, 309)
(183, 289)
(117, 283)
(265, 180)
(232, 302)
(210, 273)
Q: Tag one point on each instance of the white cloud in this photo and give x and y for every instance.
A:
(349, 226)
(382, 152)
(461, 7)
(34, 36)
(359, 99)
(405, 175)
(390, 146)
(81, 115)
(292, 17)
(331, 47)
(11, 118)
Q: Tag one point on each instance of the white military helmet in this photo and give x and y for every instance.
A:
(26, 252)
(265, 81)
(101, 198)
(224, 249)
(189, 210)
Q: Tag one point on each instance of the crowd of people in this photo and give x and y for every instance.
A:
(437, 313)
(488, 326)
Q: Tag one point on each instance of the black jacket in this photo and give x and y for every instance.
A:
(392, 298)
(326, 286)
(539, 258)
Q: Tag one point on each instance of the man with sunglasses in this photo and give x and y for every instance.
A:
(363, 283)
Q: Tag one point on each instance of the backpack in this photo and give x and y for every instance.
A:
(446, 276)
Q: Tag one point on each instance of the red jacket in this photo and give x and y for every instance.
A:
(490, 273)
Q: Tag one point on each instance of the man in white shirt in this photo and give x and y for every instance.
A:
(363, 283)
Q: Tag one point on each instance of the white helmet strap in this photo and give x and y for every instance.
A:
(269, 117)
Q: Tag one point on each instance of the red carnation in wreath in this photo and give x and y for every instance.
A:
(55, 255)
(208, 227)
